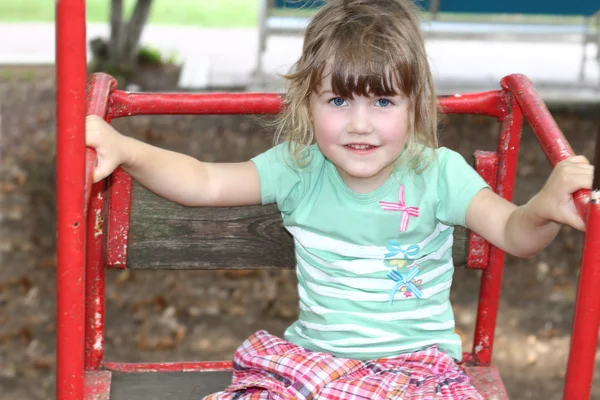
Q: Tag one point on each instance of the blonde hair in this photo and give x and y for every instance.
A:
(371, 48)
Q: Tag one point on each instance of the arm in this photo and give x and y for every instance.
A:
(524, 231)
(174, 176)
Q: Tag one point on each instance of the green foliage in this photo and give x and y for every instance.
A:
(150, 56)
(199, 13)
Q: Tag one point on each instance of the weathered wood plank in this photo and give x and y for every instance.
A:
(167, 385)
(164, 235)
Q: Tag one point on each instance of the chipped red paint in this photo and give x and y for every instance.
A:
(99, 87)
(129, 104)
(119, 205)
(170, 367)
(485, 103)
(98, 92)
(553, 142)
(70, 175)
(491, 278)
(97, 385)
(95, 280)
(486, 164)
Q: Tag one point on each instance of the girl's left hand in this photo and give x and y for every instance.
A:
(555, 201)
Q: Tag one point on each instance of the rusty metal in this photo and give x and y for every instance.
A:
(486, 164)
(119, 204)
(99, 88)
(491, 278)
(170, 367)
(97, 385)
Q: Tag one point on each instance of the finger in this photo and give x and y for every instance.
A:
(574, 220)
(579, 181)
(102, 170)
(579, 159)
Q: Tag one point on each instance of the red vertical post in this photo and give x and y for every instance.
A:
(99, 89)
(491, 278)
(584, 340)
(70, 143)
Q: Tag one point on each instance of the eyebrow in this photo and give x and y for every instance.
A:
(328, 91)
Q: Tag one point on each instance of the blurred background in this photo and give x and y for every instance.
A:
(242, 45)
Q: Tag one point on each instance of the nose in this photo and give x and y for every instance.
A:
(359, 122)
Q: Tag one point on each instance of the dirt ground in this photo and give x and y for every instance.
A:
(204, 315)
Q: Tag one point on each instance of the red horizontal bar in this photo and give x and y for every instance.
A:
(125, 104)
(169, 367)
(485, 103)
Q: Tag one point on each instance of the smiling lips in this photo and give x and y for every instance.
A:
(360, 148)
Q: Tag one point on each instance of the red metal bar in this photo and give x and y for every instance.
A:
(70, 112)
(485, 103)
(170, 367)
(584, 340)
(491, 278)
(119, 206)
(95, 280)
(98, 92)
(552, 140)
(129, 104)
(486, 164)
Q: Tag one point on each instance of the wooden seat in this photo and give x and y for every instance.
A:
(195, 385)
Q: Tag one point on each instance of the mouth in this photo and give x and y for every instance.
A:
(360, 148)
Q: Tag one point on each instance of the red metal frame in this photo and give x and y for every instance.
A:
(70, 145)
(80, 292)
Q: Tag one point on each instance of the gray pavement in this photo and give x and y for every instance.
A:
(222, 58)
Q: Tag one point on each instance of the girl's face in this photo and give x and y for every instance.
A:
(363, 137)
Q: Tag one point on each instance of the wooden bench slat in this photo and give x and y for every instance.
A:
(164, 235)
(195, 385)
(167, 385)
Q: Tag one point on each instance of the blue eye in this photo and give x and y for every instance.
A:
(383, 103)
(337, 101)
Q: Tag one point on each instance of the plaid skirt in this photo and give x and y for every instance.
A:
(266, 367)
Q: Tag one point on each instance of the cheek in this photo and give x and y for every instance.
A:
(326, 126)
(394, 130)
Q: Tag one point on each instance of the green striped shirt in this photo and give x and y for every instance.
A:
(367, 288)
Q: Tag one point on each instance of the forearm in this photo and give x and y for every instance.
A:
(173, 176)
(526, 233)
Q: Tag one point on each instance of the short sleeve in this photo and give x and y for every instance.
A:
(457, 185)
(280, 178)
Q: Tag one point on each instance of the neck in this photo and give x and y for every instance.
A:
(366, 184)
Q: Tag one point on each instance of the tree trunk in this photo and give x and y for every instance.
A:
(134, 30)
(125, 36)
(116, 32)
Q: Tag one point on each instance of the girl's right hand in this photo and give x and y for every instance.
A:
(108, 143)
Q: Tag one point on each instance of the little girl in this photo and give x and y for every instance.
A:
(370, 202)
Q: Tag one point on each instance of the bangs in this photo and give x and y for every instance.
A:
(361, 69)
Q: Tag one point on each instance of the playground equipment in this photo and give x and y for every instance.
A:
(107, 225)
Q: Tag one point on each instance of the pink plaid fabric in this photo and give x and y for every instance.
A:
(266, 367)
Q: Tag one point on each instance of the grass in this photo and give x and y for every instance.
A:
(213, 13)
(201, 13)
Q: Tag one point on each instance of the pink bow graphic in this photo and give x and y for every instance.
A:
(407, 212)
